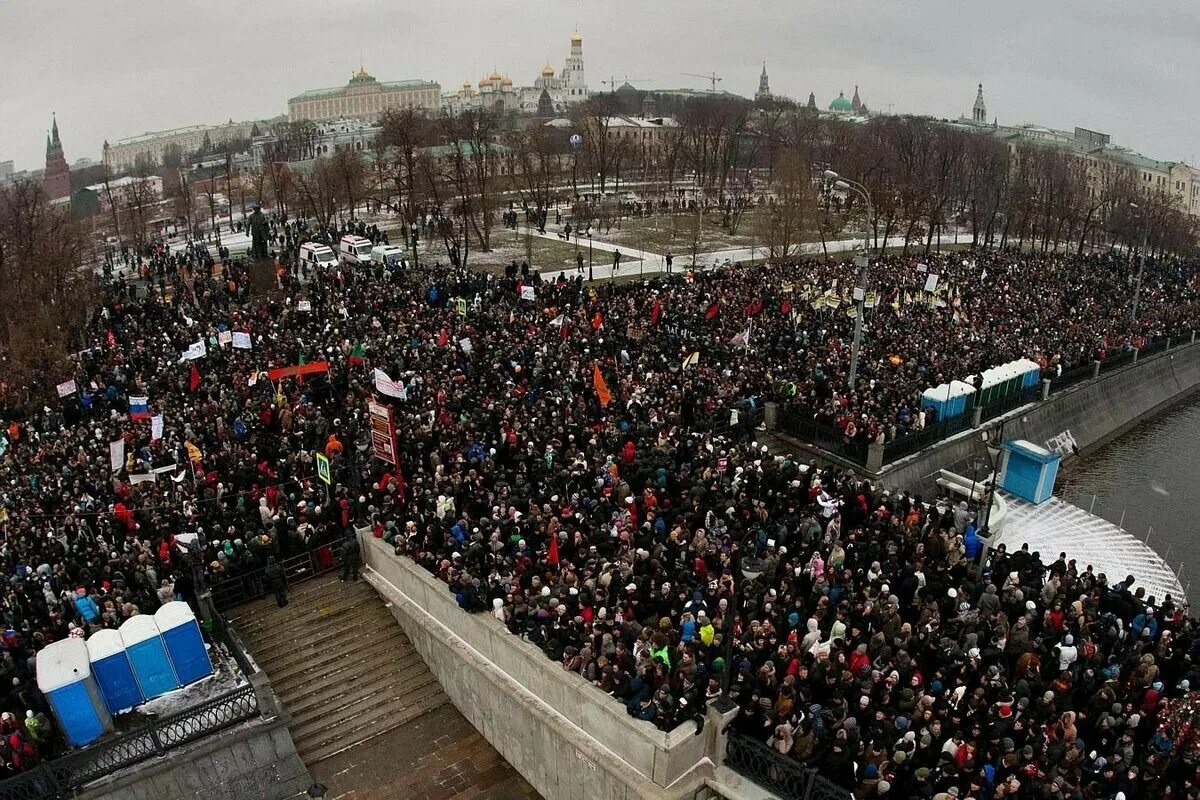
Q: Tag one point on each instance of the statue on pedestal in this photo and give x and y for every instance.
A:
(258, 235)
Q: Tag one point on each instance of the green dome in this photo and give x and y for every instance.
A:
(841, 103)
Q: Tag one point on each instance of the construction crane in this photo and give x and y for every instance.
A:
(712, 78)
(612, 83)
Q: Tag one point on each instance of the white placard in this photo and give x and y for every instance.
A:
(241, 340)
(67, 388)
(931, 283)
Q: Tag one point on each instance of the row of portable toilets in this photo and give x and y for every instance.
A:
(955, 398)
(115, 670)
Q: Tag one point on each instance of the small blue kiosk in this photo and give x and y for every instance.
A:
(64, 675)
(185, 645)
(148, 656)
(114, 673)
(1028, 471)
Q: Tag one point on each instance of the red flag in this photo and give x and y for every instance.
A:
(194, 381)
(112, 340)
(656, 312)
(552, 556)
(712, 312)
(754, 306)
(597, 321)
(564, 331)
(785, 307)
(602, 392)
(443, 337)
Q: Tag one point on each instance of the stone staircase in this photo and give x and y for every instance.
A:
(339, 663)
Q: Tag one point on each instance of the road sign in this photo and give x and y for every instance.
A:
(323, 469)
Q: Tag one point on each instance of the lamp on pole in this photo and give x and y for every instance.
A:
(1137, 286)
(862, 262)
(749, 567)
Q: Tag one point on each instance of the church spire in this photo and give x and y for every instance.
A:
(764, 86)
(979, 110)
(54, 129)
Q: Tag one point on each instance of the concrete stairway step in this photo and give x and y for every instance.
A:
(389, 673)
(314, 749)
(347, 711)
(319, 665)
(271, 619)
(279, 648)
(351, 669)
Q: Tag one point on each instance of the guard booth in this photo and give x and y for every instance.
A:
(148, 656)
(64, 675)
(185, 645)
(114, 673)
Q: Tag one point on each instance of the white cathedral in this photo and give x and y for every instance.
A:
(550, 93)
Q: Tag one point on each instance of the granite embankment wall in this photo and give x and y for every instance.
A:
(564, 735)
(1087, 414)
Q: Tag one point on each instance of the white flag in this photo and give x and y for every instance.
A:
(385, 385)
(116, 454)
(156, 427)
(196, 349)
(465, 344)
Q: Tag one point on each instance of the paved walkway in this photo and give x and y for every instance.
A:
(644, 263)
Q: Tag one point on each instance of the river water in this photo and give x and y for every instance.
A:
(1147, 477)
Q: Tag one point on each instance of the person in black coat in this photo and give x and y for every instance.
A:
(276, 580)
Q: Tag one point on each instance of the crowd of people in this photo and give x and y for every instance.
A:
(578, 459)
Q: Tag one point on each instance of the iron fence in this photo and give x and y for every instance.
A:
(777, 772)
(1119, 360)
(910, 443)
(1006, 404)
(1072, 376)
(253, 585)
(61, 777)
(826, 437)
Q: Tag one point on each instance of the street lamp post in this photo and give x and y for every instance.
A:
(863, 261)
(1137, 286)
(749, 567)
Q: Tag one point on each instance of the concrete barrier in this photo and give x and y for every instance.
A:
(563, 734)
(1080, 418)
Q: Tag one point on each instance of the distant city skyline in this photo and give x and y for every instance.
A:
(114, 71)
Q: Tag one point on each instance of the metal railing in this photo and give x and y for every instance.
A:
(826, 437)
(910, 443)
(253, 585)
(1072, 376)
(60, 777)
(777, 772)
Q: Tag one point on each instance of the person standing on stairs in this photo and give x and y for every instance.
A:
(277, 581)
(350, 558)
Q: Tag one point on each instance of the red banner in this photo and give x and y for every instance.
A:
(300, 369)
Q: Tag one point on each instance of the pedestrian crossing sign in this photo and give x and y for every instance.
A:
(323, 469)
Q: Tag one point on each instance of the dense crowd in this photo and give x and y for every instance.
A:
(578, 460)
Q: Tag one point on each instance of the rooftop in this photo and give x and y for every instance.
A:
(150, 135)
(336, 90)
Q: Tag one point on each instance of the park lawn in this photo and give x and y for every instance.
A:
(548, 255)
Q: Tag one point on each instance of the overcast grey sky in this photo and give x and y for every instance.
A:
(117, 68)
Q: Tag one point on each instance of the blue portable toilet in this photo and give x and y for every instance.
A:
(114, 674)
(64, 675)
(148, 656)
(185, 645)
(1028, 471)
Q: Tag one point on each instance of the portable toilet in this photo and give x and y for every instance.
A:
(938, 397)
(185, 645)
(1031, 373)
(1028, 470)
(114, 674)
(148, 656)
(960, 397)
(64, 676)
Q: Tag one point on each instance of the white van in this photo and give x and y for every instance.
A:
(355, 250)
(314, 255)
(388, 255)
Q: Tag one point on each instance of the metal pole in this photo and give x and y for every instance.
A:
(1092, 507)
(1137, 287)
(858, 319)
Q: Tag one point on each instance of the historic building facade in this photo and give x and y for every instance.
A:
(124, 153)
(549, 92)
(363, 98)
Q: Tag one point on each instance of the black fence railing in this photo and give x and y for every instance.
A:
(826, 437)
(253, 585)
(1072, 376)
(911, 443)
(778, 773)
(61, 777)
(1006, 404)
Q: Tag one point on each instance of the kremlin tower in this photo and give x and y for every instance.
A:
(56, 180)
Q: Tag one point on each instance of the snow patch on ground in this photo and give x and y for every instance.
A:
(225, 678)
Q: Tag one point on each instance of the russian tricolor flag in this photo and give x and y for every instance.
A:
(139, 407)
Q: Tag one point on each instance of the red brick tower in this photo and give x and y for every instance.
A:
(56, 180)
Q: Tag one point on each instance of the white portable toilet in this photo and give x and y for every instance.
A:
(64, 675)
